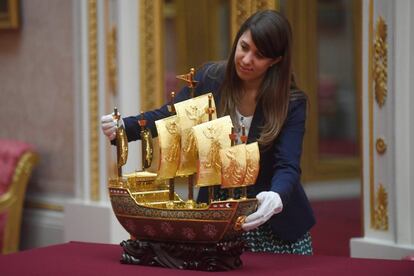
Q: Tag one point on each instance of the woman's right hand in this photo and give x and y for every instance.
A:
(108, 125)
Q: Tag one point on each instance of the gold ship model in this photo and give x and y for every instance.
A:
(165, 229)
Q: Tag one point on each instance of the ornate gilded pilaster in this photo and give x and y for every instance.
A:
(93, 99)
(242, 9)
(151, 52)
(377, 86)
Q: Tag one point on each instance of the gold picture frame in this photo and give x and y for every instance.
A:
(9, 14)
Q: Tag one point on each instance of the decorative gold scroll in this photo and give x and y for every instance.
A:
(381, 209)
(252, 163)
(169, 146)
(380, 67)
(233, 170)
(191, 113)
(210, 138)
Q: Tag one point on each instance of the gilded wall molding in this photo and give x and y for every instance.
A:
(151, 54)
(93, 99)
(371, 113)
(381, 209)
(111, 59)
(380, 67)
(241, 9)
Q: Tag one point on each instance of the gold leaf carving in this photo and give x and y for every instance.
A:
(381, 209)
(380, 67)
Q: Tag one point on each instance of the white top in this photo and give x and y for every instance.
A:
(245, 121)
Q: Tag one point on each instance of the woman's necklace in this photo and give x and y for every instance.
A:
(245, 121)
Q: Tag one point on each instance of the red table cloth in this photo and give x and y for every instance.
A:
(79, 258)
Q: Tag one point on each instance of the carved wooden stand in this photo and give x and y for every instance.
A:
(195, 256)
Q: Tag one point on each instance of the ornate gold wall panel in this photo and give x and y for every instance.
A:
(93, 99)
(242, 9)
(151, 54)
(380, 67)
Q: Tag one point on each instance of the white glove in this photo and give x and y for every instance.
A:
(108, 125)
(269, 204)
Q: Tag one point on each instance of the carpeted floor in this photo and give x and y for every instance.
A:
(336, 222)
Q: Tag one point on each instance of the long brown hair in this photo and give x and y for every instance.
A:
(272, 35)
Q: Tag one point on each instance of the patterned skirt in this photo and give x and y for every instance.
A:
(263, 239)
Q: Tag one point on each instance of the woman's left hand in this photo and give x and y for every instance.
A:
(269, 204)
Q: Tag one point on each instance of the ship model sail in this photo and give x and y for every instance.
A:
(192, 143)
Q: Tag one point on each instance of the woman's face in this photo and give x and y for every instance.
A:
(250, 64)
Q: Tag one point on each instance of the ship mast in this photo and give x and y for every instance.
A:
(210, 110)
(233, 139)
(171, 181)
(243, 138)
(191, 84)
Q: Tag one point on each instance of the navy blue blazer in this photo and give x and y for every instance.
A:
(279, 164)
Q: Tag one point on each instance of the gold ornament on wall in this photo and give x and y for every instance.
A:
(380, 67)
(381, 146)
(380, 221)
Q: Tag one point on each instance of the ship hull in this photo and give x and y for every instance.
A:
(149, 221)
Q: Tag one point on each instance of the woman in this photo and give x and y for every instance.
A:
(257, 89)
